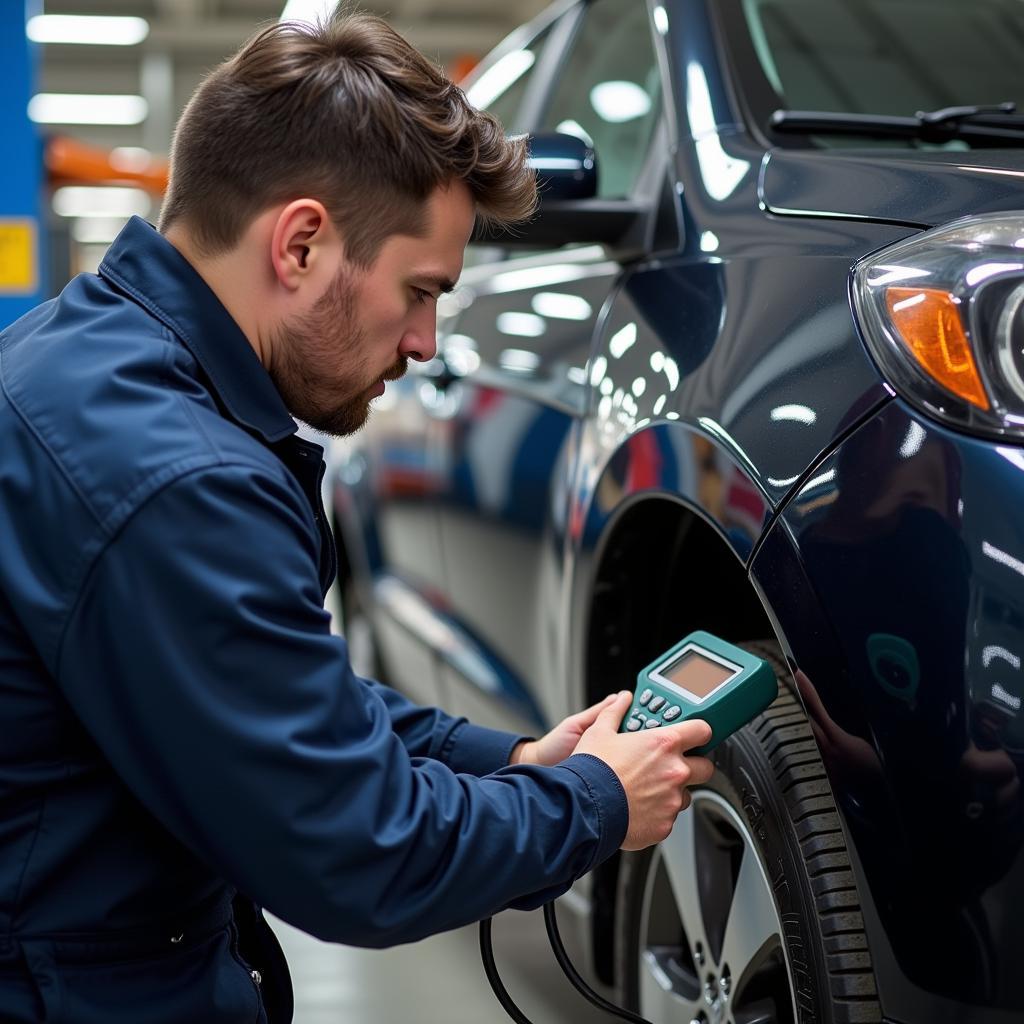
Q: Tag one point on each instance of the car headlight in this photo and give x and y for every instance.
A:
(943, 315)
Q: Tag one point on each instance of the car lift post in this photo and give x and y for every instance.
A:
(21, 172)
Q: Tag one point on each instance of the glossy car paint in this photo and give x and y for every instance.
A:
(724, 373)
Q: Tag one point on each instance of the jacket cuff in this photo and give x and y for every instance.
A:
(476, 750)
(609, 800)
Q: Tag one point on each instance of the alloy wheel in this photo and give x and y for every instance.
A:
(711, 949)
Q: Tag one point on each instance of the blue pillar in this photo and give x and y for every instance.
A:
(21, 168)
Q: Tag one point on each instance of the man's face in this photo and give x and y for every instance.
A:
(331, 361)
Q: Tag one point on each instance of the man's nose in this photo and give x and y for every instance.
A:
(420, 344)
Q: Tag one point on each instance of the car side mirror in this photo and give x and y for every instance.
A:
(566, 166)
(569, 210)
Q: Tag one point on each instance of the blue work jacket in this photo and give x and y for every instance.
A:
(184, 740)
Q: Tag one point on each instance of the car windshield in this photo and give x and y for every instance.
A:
(887, 57)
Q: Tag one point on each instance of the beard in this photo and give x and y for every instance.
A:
(320, 364)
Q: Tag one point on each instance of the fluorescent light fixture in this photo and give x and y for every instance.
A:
(96, 230)
(87, 29)
(618, 102)
(133, 159)
(309, 11)
(525, 325)
(519, 360)
(561, 306)
(537, 277)
(78, 108)
(98, 201)
(499, 77)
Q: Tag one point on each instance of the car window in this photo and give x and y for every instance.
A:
(888, 57)
(608, 92)
(501, 88)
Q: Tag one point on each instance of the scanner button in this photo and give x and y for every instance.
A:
(657, 704)
(673, 712)
(651, 723)
(646, 696)
(634, 724)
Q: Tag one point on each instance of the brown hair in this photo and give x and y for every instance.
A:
(346, 112)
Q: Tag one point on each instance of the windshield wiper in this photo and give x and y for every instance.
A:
(983, 123)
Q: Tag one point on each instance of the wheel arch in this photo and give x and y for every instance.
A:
(660, 571)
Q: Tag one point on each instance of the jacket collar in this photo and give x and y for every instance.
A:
(143, 264)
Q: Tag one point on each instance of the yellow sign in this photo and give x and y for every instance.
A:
(17, 256)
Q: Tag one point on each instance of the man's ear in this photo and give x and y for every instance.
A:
(302, 243)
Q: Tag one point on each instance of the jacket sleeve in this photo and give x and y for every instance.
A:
(430, 732)
(199, 657)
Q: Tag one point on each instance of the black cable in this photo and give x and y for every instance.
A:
(491, 970)
(551, 925)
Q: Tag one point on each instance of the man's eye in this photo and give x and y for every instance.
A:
(421, 295)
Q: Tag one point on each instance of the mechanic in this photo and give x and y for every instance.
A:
(185, 741)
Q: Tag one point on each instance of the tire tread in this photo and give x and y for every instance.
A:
(786, 737)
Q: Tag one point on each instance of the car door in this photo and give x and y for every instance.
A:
(389, 472)
(515, 353)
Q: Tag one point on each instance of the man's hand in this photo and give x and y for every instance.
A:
(650, 765)
(558, 744)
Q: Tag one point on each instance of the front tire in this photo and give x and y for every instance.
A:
(748, 913)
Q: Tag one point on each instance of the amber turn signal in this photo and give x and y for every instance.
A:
(928, 322)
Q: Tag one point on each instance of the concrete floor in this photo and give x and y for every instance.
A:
(437, 981)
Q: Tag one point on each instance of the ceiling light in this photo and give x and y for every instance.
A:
(497, 78)
(525, 325)
(131, 159)
(561, 306)
(77, 108)
(86, 28)
(88, 201)
(96, 230)
(518, 360)
(618, 102)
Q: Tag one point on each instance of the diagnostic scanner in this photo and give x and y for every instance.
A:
(702, 677)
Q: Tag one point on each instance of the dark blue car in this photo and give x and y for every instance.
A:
(757, 367)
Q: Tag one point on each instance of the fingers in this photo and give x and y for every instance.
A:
(613, 711)
(687, 735)
(585, 719)
(701, 770)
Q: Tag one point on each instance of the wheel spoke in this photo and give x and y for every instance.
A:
(660, 1002)
(680, 853)
(753, 925)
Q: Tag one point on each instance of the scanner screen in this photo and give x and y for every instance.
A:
(697, 674)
